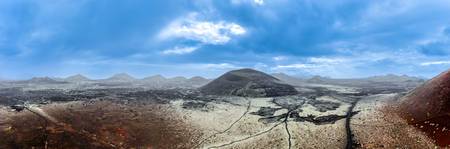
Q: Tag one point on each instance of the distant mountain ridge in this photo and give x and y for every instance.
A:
(390, 78)
(121, 77)
(77, 78)
(289, 79)
(161, 82)
(376, 84)
(41, 80)
(154, 78)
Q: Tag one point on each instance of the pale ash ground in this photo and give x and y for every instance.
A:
(230, 125)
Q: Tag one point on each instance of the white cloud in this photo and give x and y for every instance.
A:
(259, 2)
(323, 60)
(203, 31)
(238, 2)
(296, 66)
(261, 66)
(217, 66)
(279, 58)
(179, 50)
(435, 63)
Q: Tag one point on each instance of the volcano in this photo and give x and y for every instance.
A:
(428, 108)
(248, 83)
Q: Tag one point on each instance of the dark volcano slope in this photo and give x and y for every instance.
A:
(249, 83)
(428, 108)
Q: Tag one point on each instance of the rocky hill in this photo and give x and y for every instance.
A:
(428, 107)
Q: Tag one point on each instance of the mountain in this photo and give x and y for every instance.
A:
(289, 79)
(323, 80)
(77, 78)
(394, 78)
(159, 81)
(248, 82)
(42, 80)
(197, 81)
(403, 82)
(428, 106)
(121, 77)
(177, 79)
(155, 78)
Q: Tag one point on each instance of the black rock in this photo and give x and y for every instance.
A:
(323, 106)
(265, 111)
(18, 108)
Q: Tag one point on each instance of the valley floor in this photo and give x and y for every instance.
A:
(315, 119)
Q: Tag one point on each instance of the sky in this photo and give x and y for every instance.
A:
(340, 39)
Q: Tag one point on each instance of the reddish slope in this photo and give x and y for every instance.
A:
(428, 108)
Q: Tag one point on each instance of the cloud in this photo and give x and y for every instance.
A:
(435, 63)
(296, 66)
(179, 50)
(358, 64)
(216, 33)
(261, 66)
(259, 2)
(322, 60)
(279, 58)
(216, 66)
(438, 45)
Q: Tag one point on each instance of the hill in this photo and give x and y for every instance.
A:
(428, 106)
(248, 82)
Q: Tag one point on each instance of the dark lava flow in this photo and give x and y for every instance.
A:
(350, 142)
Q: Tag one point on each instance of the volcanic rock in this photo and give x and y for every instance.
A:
(249, 83)
(428, 107)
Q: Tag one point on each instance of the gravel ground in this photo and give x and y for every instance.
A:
(376, 126)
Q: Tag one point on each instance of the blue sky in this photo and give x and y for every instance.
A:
(346, 38)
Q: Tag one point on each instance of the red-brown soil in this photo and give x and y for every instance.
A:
(428, 108)
(98, 125)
